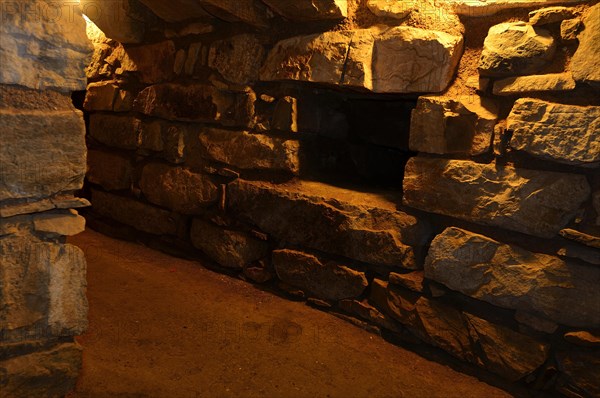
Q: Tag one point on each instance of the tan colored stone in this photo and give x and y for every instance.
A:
(535, 202)
(563, 133)
(237, 59)
(361, 226)
(309, 10)
(197, 103)
(569, 29)
(515, 48)
(391, 8)
(153, 63)
(64, 223)
(534, 83)
(39, 50)
(368, 58)
(581, 237)
(141, 216)
(327, 280)
(119, 131)
(53, 274)
(444, 125)
(514, 278)
(465, 336)
(544, 16)
(583, 338)
(411, 281)
(178, 188)
(244, 150)
(231, 249)
(366, 311)
(56, 202)
(481, 8)
(285, 115)
(100, 96)
(49, 373)
(585, 63)
(41, 152)
(110, 170)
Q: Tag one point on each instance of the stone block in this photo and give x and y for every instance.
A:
(119, 131)
(534, 83)
(585, 63)
(110, 170)
(309, 10)
(237, 59)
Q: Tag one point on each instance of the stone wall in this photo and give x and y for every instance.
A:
(412, 167)
(43, 53)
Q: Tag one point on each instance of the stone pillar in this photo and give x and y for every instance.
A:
(43, 53)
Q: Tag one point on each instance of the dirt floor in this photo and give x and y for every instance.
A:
(166, 327)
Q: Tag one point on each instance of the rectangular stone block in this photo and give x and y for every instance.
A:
(142, 216)
(115, 130)
(535, 202)
(42, 151)
(360, 226)
(514, 278)
(197, 103)
(111, 170)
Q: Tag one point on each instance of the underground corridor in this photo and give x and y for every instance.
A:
(294, 198)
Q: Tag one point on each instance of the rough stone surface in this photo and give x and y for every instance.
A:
(196, 103)
(549, 15)
(536, 202)
(231, 249)
(110, 170)
(33, 165)
(534, 83)
(514, 278)
(49, 373)
(237, 59)
(326, 280)
(515, 48)
(369, 59)
(535, 322)
(62, 223)
(250, 151)
(177, 10)
(481, 8)
(581, 237)
(569, 29)
(412, 281)
(564, 133)
(141, 216)
(43, 284)
(64, 201)
(496, 348)
(583, 338)
(248, 11)
(582, 369)
(153, 63)
(106, 96)
(309, 10)
(446, 125)
(585, 63)
(119, 131)
(391, 8)
(361, 226)
(178, 188)
(43, 51)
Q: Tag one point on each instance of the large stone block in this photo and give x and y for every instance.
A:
(250, 151)
(42, 151)
(197, 103)
(585, 63)
(516, 48)
(361, 226)
(42, 284)
(382, 62)
(466, 336)
(446, 125)
(153, 63)
(115, 130)
(49, 373)
(112, 171)
(43, 45)
(310, 10)
(178, 188)
(481, 8)
(141, 216)
(564, 133)
(535, 202)
(534, 83)
(231, 249)
(237, 59)
(323, 279)
(514, 278)
(107, 96)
